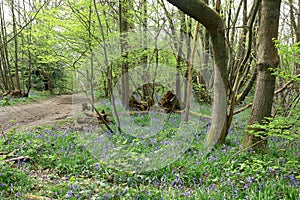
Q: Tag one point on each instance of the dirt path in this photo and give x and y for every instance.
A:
(44, 112)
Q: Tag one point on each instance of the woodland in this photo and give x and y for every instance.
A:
(157, 99)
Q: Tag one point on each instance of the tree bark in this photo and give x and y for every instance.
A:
(124, 27)
(17, 78)
(215, 25)
(190, 75)
(267, 58)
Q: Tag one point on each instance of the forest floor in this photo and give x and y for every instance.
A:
(39, 113)
(59, 162)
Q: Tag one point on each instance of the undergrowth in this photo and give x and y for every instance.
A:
(60, 166)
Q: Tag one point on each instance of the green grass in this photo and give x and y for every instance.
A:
(62, 167)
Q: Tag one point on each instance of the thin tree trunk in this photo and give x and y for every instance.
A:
(248, 87)
(91, 77)
(188, 32)
(109, 70)
(179, 58)
(190, 75)
(124, 27)
(146, 89)
(17, 78)
(8, 82)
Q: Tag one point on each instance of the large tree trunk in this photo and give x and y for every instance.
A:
(267, 58)
(215, 25)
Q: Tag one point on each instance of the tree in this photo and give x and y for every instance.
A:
(267, 60)
(215, 25)
(124, 23)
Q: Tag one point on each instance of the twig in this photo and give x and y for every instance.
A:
(16, 159)
(98, 113)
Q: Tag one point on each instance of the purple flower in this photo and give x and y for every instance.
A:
(200, 181)
(228, 182)
(185, 194)
(292, 177)
(70, 193)
(271, 170)
(247, 185)
(198, 162)
(212, 187)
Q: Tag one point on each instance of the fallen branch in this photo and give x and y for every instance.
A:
(93, 115)
(196, 114)
(176, 111)
(17, 159)
(98, 113)
(35, 197)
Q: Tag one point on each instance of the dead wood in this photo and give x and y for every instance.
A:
(20, 158)
(14, 94)
(169, 102)
(35, 197)
(103, 116)
(134, 104)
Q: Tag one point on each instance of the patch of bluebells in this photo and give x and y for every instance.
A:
(293, 180)
(249, 181)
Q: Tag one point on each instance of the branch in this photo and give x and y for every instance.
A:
(17, 159)
(23, 27)
(275, 93)
(176, 111)
(98, 113)
(242, 109)
(285, 85)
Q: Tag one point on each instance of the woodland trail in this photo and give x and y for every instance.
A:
(44, 112)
